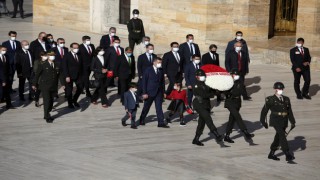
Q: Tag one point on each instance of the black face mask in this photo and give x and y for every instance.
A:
(213, 52)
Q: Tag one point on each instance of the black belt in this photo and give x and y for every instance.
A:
(280, 113)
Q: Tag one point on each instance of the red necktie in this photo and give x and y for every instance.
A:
(239, 61)
(118, 52)
(302, 53)
(61, 54)
(89, 50)
(112, 39)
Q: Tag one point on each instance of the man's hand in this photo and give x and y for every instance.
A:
(265, 125)
(298, 70)
(67, 79)
(165, 75)
(306, 63)
(3, 84)
(189, 87)
(104, 70)
(34, 87)
(63, 87)
(145, 96)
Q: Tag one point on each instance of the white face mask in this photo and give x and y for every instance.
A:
(175, 49)
(236, 77)
(298, 45)
(175, 87)
(190, 40)
(202, 78)
(158, 65)
(3, 52)
(113, 34)
(197, 61)
(101, 53)
(88, 42)
(238, 48)
(238, 37)
(116, 44)
(150, 51)
(26, 47)
(44, 58)
(75, 50)
(279, 92)
(146, 42)
(136, 15)
(52, 58)
(61, 45)
(12, 38)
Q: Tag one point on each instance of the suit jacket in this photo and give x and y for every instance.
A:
(23, 66)
(190, 74)
(170, 65)
(71, 67)
(4, 69)
(97, 66)
(10, 52)
(59, 57)
(46, 77)
(86, 56)
(297, 59)
(129, 102)
(184, 50)
(230, 47)
(123, 69)
(207, 59)
(152, 83)
(112, 56)
(144, 63)
(36, 48)
(231, 62)
(105, 41)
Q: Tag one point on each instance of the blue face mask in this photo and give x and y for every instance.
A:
(129, 54)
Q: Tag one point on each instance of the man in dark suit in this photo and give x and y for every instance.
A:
(239, 38)
(188, 49)
(51, 41)
(60, 50)
(125, 71)
(73, 69)
(211, 57)
(39, 45)
(24, 64)
(86, 50)
(172, 66)
(131, 104)
(12, 46)
(46, 78)
(300, 59)
(4, 77)
(153, 90)
(190, 76)
(135, 29)
(144, 61)
(107, 40)
(17, 3)
(237, 59)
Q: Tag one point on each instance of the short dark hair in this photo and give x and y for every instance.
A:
(128, 48)
(85, 37)
(239, 32)
(300, 39)
(43, 53)
(112, 28)
(157, 59)
(133, 85)
(60, 39)
(12, 32)
(195, 55)
(97, 50)
(173, 43)
(116, 38)
(149, 45)
(74, 43)
(212, 46)
(189, 35)
(49, 35)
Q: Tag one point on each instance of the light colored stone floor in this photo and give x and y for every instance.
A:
(90, 142)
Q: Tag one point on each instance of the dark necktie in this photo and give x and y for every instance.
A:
(61, 53)
(281, 98)
(51, 64)
(4, 59)
(191, 50)
(14, 45)
(239, 61)
(150, 58)
(89, 50)
(302, 52)
(76, 57)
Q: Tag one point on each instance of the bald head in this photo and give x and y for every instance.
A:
(42, 36)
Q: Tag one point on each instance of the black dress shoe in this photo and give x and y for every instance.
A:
(273, 156)
(196, 141)
(168, 120)
(248, 98)
(71, 106)
(49, 119)
(76, 104)
(247, 134)
(289, 156)
(163, 126)
(299, 97)
(9, 106)
(142, 123)
(228, 139)
(37, 104)
(123, 123)
(133, 127)
(306, 96)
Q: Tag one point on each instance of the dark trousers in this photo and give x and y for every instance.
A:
(17, 3)
(13, 70)
(69, 89)
(134, 41)
(5, 93)
(86, 76)
(241, 80)
(204, 119)
(133, 113)
(101, 92)
(22, 81)
(47, 102)
(37, 95)
(158, 103)
(123, 86)
(234, 117)
(172, 80)
(190, 96)
(280, 139)
(307, 79)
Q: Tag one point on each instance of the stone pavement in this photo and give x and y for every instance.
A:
(90, 143)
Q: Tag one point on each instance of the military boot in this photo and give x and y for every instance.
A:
(289, 156)
(196, 141)
(247, 134)
(273, 156)
(217, 135)
(228, 139)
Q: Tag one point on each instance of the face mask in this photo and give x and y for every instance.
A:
(202, 78)
(113, 34)
(298, 45)
(75, 50)
(101, 53)
(3, 52)
(50, 40)
(150, 51)
(239, 38)
(175, 49)
(146, 42)
(136, 15)
(190, 40)
(88, 42)
(213, 52)
(116, 44)
(61, 45)
(280, 92)
(44, 58)
(236, 77)
(52, 58)
(158, 65)
(26, 47)
(175, 87)
(238, 48)
(13, 38)
(197, 61)
(129, 54)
